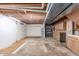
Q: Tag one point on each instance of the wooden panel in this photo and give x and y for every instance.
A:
(21, 4)
(29, 17)
(56, 35)
(73, 43)
(35, 6)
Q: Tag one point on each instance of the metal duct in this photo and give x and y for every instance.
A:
(57, 9)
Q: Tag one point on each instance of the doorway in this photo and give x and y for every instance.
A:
(62, 37)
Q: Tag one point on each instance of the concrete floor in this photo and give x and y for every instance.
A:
(41, 47)
(13, 47)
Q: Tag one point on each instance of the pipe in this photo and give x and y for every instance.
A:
(43, 11)
(45, 20)
(26, 8)
(48, 6)
(32, 7)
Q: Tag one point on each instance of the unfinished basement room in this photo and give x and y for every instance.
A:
(39, 29)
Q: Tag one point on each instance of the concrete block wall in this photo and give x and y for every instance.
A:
(72, 40)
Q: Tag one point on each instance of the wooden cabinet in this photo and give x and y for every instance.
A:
(73, 43)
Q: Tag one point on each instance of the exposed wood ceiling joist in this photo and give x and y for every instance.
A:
(29, 17)
(40, 7)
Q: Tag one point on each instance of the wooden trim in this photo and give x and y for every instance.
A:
(13, 47)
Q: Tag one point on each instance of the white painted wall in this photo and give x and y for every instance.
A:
(10, 31)
(21, 31)
(34, 30)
